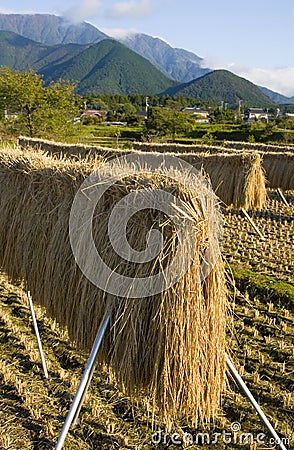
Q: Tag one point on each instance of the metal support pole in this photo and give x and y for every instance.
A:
(253, 224)
(37, 334)
(254, 403)
(84, 384)
(282, 197)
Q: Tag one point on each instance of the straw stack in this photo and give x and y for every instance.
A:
(237, 178)
(170, 346)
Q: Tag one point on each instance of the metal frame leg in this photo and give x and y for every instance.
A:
(37, 334)
(74, 411)
(254, 403)
(76, 406)
(282, 197)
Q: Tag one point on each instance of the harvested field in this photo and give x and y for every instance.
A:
(274, 256)
(32, 409)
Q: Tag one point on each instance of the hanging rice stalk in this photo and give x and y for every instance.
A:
(170, 346)
(279, 169)
(237, 178)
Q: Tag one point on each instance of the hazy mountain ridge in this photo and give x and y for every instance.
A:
(276, 97)
(52, 43)
(176, 63)
(20, 53)
(50, 29)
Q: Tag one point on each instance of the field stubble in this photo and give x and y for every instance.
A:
(275, 255)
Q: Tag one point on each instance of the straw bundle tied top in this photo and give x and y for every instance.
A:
(237, 178)
(169, 346)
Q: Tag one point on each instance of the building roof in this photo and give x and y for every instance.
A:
(94, 113)
(196, 111)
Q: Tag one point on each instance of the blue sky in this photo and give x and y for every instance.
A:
(253, 38)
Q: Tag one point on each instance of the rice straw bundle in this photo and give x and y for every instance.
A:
(58, 148)
(226, 147)
(237, 178)
(177, 148)
(169, 346)
(279, 169)
(258, 146)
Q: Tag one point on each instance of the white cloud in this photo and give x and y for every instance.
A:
(280, 80)
(83, 10)
(122, 33)
(119, 33)
(130, 8)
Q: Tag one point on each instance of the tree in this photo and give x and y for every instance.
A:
(221, 115)
(36, 110)
(163, 121)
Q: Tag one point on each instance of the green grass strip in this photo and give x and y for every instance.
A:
(264, 287)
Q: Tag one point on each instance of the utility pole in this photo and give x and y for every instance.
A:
(240, 106)
(147, 104)
(5, 109)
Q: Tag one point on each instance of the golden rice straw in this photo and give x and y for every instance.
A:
(279, 169)
(258, 146)
(169, 347)
(237, 178)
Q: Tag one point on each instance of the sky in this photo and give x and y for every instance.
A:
(252, 38)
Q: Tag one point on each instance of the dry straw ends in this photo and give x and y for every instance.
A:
(170, 346)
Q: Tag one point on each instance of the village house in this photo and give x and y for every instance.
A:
(98, 114)
(255, 114)
(202, 115)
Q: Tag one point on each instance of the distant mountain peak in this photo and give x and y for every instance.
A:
(176, 63)
(50, 29)
(222, 86)
(277, 97)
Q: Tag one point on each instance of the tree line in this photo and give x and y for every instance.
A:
(29, 107)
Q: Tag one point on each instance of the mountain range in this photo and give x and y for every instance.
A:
(137, 63)
(106, 67)
(178, 64)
